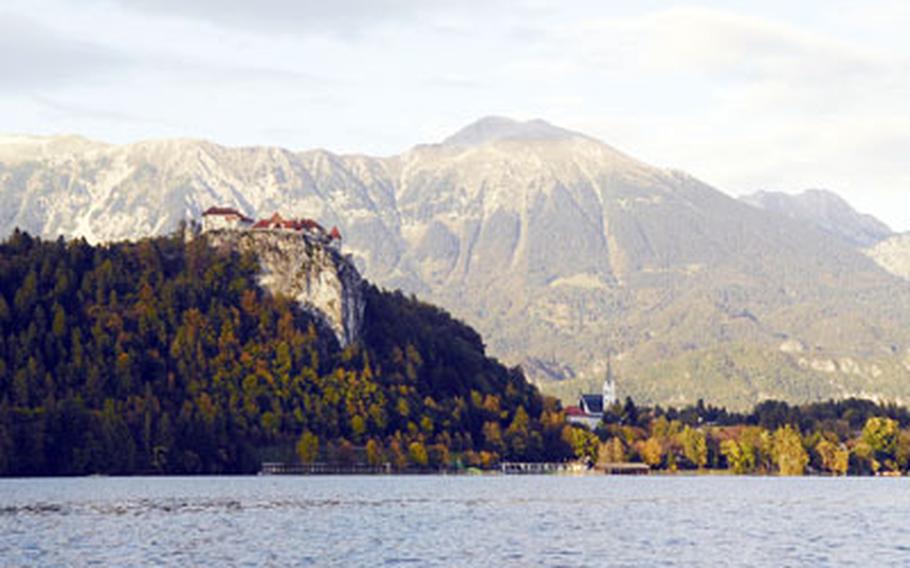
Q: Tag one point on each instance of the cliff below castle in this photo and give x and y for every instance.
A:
(320, 278)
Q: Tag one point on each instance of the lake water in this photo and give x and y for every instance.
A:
(455, 521)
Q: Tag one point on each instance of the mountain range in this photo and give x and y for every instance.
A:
(560, 249)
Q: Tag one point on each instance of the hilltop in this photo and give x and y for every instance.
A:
(167, 356)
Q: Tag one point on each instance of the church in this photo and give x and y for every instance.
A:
(590, 409)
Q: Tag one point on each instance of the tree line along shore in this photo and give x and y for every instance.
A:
(847, 437)
(165, 357)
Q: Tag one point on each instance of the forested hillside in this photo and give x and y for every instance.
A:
(165, 357)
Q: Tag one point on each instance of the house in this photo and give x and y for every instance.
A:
(591, 407)
(221, 218)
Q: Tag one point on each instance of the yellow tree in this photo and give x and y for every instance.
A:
(417, 454)
(694, 446)
(651, 451)
(789, 453)
(374, 453)
(611, 451)
(308, 447)
(740, 458)
(835, 457)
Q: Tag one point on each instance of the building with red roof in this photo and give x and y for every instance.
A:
(221, 218)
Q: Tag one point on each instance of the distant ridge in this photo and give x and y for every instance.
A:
(826, 210)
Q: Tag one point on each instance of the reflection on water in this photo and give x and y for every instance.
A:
(454, 521)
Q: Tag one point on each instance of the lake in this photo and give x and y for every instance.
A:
(455, 521)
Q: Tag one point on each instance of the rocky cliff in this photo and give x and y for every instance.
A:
(893, 255)
(320, 278)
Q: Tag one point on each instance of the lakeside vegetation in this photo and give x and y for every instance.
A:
(848, 437)
(165, 357)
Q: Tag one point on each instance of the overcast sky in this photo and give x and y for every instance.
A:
(744, 95)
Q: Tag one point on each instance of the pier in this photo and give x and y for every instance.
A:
(541, 468)
(281, 468)
(623, 468)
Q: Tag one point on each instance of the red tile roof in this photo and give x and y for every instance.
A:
(225, 211)
(574, 411)
(276, 221)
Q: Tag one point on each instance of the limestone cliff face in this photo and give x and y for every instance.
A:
(320, 278)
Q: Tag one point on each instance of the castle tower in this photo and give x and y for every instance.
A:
(609, 393)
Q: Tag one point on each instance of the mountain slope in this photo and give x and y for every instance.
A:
(827, 211)
(893, 254)
(557, 247)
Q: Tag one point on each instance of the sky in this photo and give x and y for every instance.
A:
(746, 96)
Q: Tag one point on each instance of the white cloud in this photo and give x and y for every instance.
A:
(749, 103)
(35, 56)
(775, 95)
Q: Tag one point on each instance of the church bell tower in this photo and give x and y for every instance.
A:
(609, 392)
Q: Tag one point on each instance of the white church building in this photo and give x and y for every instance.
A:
(591, 407)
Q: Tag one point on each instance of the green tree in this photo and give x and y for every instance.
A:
(882, 435)
(58, 328)
(583, 442)
(517, 434)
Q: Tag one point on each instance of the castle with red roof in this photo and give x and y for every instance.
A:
(229, 219)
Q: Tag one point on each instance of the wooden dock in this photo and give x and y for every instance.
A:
(281, 468)
(623, 468)
(541, 468)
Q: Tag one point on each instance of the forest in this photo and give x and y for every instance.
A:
(164, 356)
(846, 437)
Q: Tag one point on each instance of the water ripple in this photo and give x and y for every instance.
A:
(453, 521)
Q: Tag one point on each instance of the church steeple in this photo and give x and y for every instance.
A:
(609, 392)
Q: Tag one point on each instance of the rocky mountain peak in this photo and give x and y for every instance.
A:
(495, 128)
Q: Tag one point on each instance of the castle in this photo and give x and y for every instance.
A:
(298, 259)
(229, 219)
